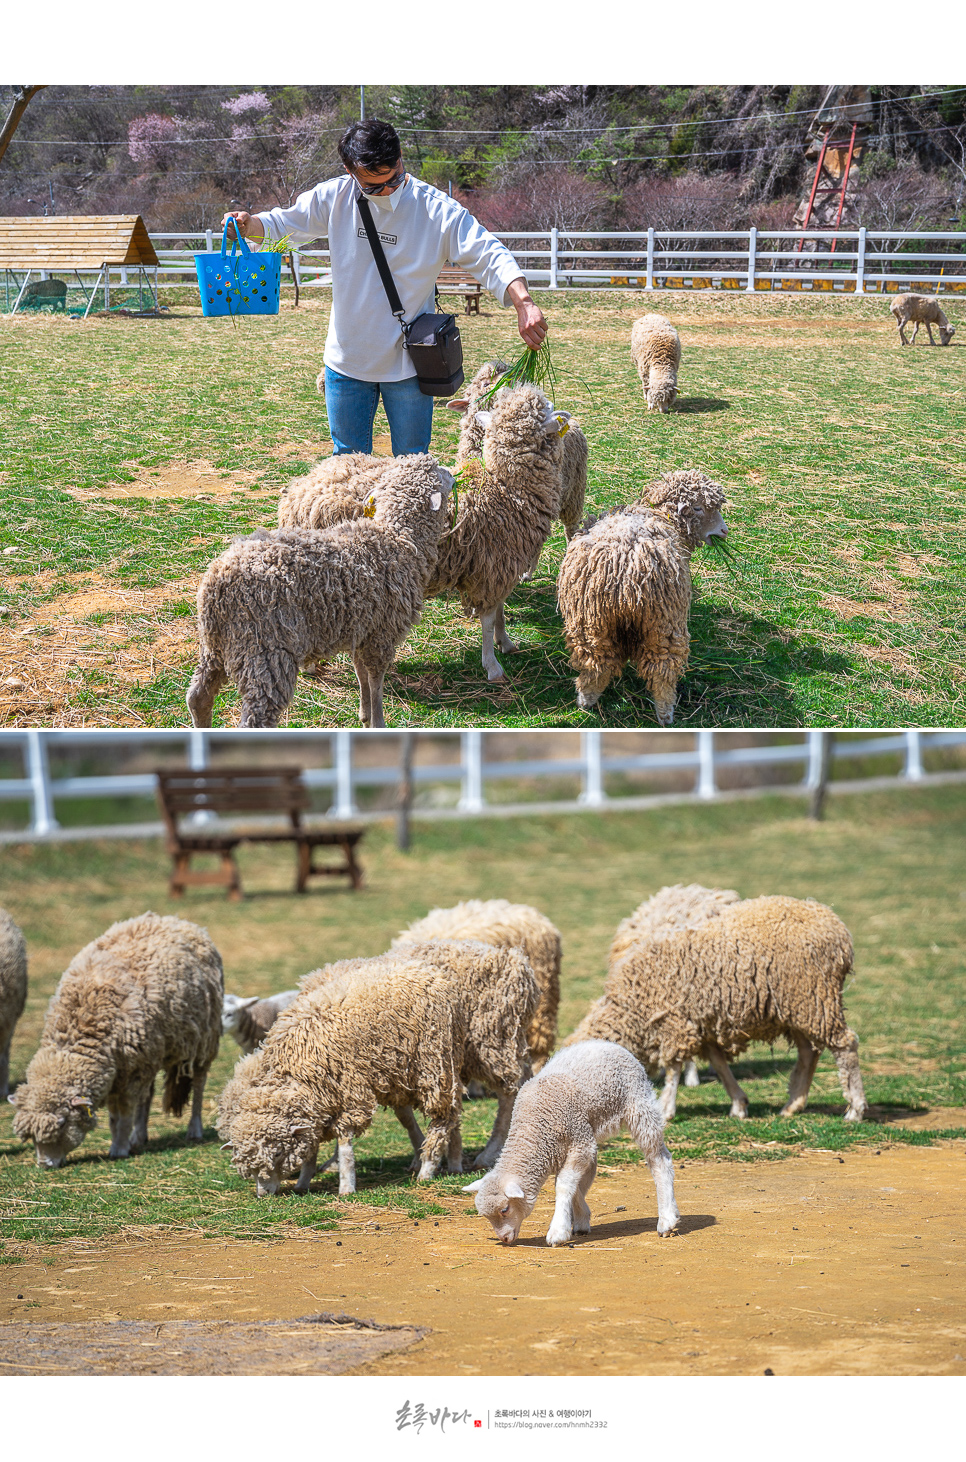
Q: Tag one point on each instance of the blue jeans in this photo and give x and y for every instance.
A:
(351, 406)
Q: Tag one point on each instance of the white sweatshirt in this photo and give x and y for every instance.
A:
(421, 231)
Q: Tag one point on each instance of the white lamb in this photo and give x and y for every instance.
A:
(921, 309)
(656, 348)
(248, 1019)
(582, 1095)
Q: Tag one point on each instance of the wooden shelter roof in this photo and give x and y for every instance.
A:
(75, 241)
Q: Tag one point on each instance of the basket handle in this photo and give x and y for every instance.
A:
(237, 242)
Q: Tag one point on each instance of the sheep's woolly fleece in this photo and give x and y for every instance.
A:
(144, 997)
(656, 348)
(13, 989)
(758, 970)
(404, 1028)
(679, 906)
(274, 601)
(496, 921)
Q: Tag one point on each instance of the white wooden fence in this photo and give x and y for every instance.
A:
(702, 754)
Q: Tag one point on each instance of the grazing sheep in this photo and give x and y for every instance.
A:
(404, 1029)
(495, 921)
(624, 588)
(757, 970)
(656, 348)
(248, 1019)
(13, 990)
(274, 601)
(144, 997)
(582, 1095)
(922, 309)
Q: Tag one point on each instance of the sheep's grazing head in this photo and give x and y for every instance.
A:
(661, 397)
(946, 333)
(271, 1134)
(53, 1109)
(501, 1199)
(693, 503)
(521, 424)
(485, 377)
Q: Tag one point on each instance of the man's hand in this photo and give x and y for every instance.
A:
(530, 317)
(247, 226)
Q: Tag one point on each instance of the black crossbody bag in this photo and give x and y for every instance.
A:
(433, 341)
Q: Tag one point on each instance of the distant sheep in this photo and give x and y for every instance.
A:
(249, 1019)
(13, 990)
(624, 588)
(144, 997)
(757, 970)
(656, 348)
(581, 1096)
(495, 921)
(921, 309)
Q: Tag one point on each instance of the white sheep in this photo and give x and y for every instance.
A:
(656, 348)
(13, 990)
(922, 309)
(624, 588)
(248, 1019)
(757, 970)
(275, 601)
(404, 1029)
(144, 997)
(581, 1096)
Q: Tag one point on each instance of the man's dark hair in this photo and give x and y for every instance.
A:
(371, 145)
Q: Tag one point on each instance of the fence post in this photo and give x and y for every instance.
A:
(198, 750)
(706, 787)
(813, 771)
(649, 281)
(38, 770)
(471, 756)
(554, 255)
(752, 251)
(819, 786)
(913, 771)
(209, 243)
(592, 793)
(860, 264)
(343, 806)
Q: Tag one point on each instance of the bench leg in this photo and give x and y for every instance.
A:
(352, 867)
(230, 869)
(181, 864)
(304, 867)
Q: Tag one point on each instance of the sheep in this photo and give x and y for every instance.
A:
(582, 1095)
(495, 921)
(248, 1019)
(656, 348)
(13, 990)
(403, 1029)
(144, 997)
(624, 588)
(470, 443)
(922, 309)
(335, 491)
(757, 970)
(277, 600)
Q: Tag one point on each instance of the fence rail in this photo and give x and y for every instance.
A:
(848, 261)
(709, 753)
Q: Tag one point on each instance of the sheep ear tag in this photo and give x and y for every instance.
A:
(369, 507)
(563, 423)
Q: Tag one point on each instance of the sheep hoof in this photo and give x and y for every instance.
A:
(557, 1236)
(667, 1226)
(739, 1111)
(495, 675)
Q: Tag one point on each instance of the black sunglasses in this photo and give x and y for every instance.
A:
(397, 179)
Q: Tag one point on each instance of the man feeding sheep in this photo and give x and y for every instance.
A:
(421, 230)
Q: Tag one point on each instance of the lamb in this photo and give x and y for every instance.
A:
(656, 348)
(582, 1095)
(144, 997)
(757, 970)
(248, 1019)
(624, 588)
(923, 309)
(277, 600)
(403, 1029)
(13, 990)
(495, 921)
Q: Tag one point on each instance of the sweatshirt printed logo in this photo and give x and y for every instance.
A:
(383, 238)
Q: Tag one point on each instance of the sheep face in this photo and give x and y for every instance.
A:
(661, 398)
(502, 1200)
(946, 333)
(510, 432)
(693, 502)
(55, 1119)
(231, 1012)
(270, 1138)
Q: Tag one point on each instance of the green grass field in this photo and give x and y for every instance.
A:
(133, 450)
(890, 863)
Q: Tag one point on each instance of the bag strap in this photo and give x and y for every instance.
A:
(385, 274)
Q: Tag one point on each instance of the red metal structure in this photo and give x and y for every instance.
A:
(833, 186)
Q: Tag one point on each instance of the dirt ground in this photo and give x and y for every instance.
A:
(817, 1265)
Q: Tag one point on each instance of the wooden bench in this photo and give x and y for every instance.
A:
(183, 793)
(458, 281)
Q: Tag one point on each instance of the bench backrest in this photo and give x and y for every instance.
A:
(232, 790)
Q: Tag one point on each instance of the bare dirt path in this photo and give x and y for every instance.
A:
(818, 1265)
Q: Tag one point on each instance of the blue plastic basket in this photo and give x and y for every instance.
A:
(239, 283)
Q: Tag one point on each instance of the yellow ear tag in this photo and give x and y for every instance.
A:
(563, 426)
(369, 510)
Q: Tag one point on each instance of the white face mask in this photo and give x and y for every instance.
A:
(389, 202)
